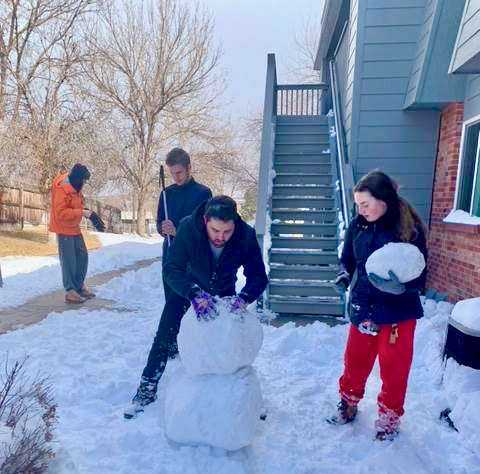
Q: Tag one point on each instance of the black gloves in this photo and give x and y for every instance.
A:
(392, 285)
(97, 222)
(341, 282)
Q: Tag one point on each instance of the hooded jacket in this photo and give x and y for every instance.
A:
(367, 302)
(66, 209)
(190, 263)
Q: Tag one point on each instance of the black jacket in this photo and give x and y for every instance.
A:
(191, 264)
(367, 302)
(181, 202)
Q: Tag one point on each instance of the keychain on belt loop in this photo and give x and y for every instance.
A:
(393, 334)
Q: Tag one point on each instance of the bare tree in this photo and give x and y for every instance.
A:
(305, 50)
(39, 59)
(151, 67)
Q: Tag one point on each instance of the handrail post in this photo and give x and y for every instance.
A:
(266, 151)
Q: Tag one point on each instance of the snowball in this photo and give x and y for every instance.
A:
(218, 410)
(221, 345)
(467, 313)
(405, 260)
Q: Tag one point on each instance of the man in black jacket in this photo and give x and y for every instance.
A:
(209, 248)
(182, 198)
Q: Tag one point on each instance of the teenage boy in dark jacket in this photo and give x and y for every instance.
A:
(182, 197)
(209, 248)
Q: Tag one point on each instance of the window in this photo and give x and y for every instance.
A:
(468, 179)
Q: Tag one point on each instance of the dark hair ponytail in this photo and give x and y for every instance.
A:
(400, 215)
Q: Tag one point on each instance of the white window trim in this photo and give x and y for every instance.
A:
(465, 125)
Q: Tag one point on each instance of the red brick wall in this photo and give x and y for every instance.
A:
(454, 249)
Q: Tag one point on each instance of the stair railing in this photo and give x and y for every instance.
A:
(344, 168)
(264, 191)
(300, 99)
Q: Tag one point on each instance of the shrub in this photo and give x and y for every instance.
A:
(27, 421)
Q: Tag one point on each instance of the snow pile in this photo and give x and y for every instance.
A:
(405, 260)
(215, 398)
(220, 346)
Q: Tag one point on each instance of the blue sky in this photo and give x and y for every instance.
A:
(247, 31)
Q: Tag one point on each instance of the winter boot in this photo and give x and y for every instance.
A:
(387, 426)
(146, 394)
(345, 414)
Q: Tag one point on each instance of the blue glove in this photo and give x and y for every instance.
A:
(341, 282)
(392, 285)
(204, 306)
(237, 305)
(97, 222)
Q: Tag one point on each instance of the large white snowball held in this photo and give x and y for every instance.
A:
(215, 397)
(405, 260)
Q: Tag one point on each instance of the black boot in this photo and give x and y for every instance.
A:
(345, 414)
(146, 392)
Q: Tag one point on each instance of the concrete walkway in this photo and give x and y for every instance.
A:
(40, 307)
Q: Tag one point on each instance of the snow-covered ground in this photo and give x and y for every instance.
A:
(94, 360)
(27, 277)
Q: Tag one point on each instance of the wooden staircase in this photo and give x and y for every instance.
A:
(303, 255)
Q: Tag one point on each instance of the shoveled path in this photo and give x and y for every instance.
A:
(40, 307)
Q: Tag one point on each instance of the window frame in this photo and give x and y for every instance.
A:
(459, 182)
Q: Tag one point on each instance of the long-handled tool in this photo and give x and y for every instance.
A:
(162, 185)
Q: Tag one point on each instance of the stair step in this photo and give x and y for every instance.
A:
(303, 272)
(302, 120)
(301, 147)
(301, 128)
(321, 158)
(306, 202)
(307, 305)
(301, 288)
(297, 137)
(320, 216)
(303, 257)
(302, 190)
(318, 230)
(316, 168)
(299, 178)
(322, 243)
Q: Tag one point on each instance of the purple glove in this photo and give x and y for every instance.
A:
(204, 306)
(238, 304)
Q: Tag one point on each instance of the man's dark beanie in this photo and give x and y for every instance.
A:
(78, 176)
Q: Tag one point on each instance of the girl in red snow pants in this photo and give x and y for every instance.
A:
(394, 347)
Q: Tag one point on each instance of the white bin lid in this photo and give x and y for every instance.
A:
(466, 316)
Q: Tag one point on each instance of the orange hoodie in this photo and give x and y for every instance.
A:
(66, 211)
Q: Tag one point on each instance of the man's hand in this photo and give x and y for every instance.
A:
(168, 228)
(97, 221)
(204, 306)
(392, 285)
(237, 305)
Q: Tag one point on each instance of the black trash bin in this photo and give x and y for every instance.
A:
(463, 344)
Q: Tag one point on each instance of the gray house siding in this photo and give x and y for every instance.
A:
(466, 54)
(402, 143)
(472, 98)
(430, 86)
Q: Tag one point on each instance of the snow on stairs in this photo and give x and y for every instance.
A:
(303, 256)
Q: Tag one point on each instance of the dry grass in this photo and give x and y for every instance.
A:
(33, 241)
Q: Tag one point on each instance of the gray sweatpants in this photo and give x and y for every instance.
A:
(73, 260)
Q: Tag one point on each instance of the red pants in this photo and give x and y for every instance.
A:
(395, 359)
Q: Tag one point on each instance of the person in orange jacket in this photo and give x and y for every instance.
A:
(66, 213)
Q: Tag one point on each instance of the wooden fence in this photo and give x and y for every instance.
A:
(20, 205)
